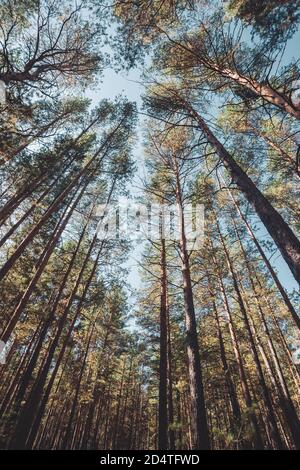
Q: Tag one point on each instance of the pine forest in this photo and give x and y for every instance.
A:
(149, 225)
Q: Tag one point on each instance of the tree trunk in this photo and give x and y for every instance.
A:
(258, 441)
(200, 437)
(163, 355)
(265, 91)
(170, 386)
(279, 230)
(235, 407)
(279, 286)
(289, 410)
(271, 419)
(44, 258)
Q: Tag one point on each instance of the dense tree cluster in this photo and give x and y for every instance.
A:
(210, 360)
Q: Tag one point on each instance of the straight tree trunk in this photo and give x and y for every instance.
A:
(275, 278)
(170, 384)
(44, 258)
(289, 410)
(258, 441)
(33, 184)
(283, 236)
(163, 355)
(56, 203)
(51, 315)
(67, 437)
(200, 433)
(271, 419)
(235, 407)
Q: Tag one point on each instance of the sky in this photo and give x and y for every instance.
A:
(128, 84)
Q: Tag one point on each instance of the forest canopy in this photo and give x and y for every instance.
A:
(121, 340)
